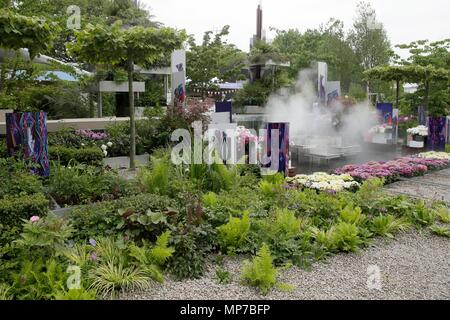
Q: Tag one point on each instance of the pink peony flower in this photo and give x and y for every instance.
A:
(34, 219)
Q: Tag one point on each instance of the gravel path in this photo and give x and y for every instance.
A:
(414, 266)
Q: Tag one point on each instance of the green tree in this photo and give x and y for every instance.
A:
(432, 64)
(92, 12)
(369, 40)
(116, 45)
(214, 61)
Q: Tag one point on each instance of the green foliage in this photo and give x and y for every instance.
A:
(5, 292)
(105, 218)
(272, 185)
(48, 232)
(109, 277)
(341, 237)
(352, 215)
(81, 184)
(233, 234)
(213, 59)
(223, 276)
(19, 183)
(156, 180)
(387, 226)
(443, 214)
(150, 259)
(260, 272)
(76, 294)
(39, 280)
(18, 31)
(15, 208)
(347, 237)
(447, 148)
(441, 231)
(423, 215)
(66, 155)
(191, 244)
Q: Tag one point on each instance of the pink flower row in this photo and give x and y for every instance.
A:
(405, 166)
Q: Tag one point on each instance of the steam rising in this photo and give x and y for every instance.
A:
(323, 130)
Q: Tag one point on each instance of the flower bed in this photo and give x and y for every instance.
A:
(391, 170)
(324, 182)
(435, 155)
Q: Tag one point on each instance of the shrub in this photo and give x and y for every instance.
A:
(3, 149)
(191, 244)
(104, 218)
(82, 184)
(18, 183)
(260, 272)
(233, 234)
(447, 148)
(65, 155)
(15, 208)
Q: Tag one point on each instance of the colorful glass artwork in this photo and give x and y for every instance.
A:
(27, 133)
(283, 146)
(436, 133)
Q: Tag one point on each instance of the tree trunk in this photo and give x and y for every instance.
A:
(427, 93)
(398, 93)
(132, 120)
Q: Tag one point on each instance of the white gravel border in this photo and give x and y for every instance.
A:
(414, 266)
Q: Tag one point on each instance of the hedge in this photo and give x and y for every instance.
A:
(103, 217)
(88, 155)
(15, 208)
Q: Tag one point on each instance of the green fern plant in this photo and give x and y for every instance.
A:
(352, 215)
(260, 272)
(286, 224)
(76, 294)
(386, 226)
(156, 180)
(325, 238)
(233, 234)
(210, 199)
(346, 237)
(150, 259)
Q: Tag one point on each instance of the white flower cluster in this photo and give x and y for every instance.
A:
(420, 130)
(105, 148)
(324, 182)
(435, 155)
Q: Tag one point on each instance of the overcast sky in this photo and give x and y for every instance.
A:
(404, 20)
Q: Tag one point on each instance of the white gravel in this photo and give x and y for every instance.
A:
(414, 266)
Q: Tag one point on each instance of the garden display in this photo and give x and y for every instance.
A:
(417, 136)
(322, 181)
